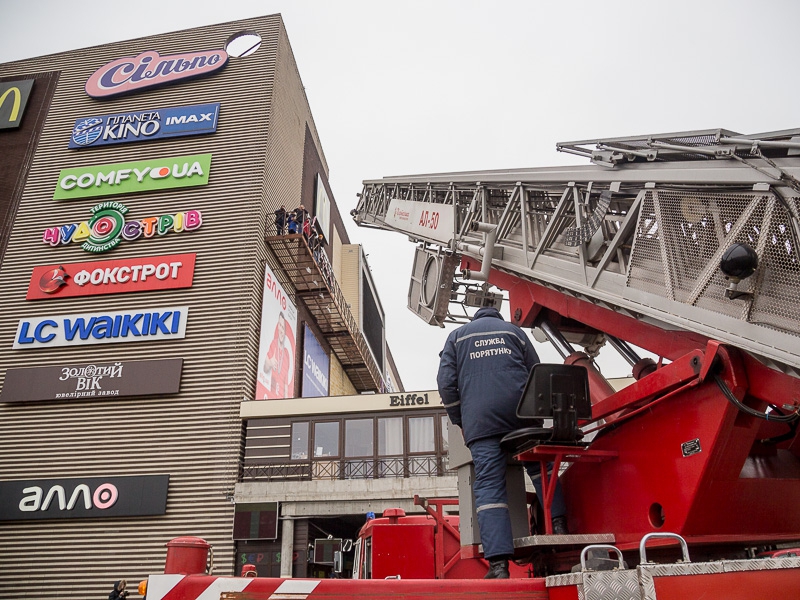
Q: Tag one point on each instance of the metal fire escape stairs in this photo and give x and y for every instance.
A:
(310, 278)
(640, 231)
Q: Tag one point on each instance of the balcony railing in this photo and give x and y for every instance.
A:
(349, 468)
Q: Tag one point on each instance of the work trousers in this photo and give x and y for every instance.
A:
(491, 497)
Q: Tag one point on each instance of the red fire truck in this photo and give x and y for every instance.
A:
(685, 483)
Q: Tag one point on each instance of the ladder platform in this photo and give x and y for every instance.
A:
(540, 541)
(545, 541)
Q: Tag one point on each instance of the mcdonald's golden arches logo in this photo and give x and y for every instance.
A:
(13, 98)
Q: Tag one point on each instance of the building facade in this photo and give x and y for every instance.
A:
(148, 298)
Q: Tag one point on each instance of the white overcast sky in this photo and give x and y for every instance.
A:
(409, 87)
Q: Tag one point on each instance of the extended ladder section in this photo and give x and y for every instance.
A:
(642, 231)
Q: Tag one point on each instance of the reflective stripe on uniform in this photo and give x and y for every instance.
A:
(488, 506)
(487, 334)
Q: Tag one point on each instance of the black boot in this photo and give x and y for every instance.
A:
(498, 569)
(560, 526)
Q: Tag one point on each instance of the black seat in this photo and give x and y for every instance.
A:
(558, 392)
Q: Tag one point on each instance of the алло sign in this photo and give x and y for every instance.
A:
(133, 177)
(149, 69)
(83, 497)
(144, 125)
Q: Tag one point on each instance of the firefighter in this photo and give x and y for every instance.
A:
(483, 369)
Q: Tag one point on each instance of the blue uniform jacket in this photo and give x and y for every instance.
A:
(482, 374)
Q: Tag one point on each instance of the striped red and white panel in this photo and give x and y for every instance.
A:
(209, 587)
(206, 587)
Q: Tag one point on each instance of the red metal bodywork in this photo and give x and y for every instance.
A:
(420, 547)
(688, 461)
(672, 452)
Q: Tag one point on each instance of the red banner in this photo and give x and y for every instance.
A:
(67, 280)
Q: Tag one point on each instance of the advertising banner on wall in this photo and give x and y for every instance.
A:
(83, 497)
(67, 280)
(133, 177)
(316, 366)
(322, 208)
(144, 125)
(13, 98)
(97, 380)
(276, 351)
(102, 328)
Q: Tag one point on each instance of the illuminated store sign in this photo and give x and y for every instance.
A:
(108, 227)
(150, 69)
(102, 328)
(316, 367)
(145, 125)
(66, 280)
(97, 380)
(83, 497)
(133, 177)
(13, 98)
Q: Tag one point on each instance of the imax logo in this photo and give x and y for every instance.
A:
(183, 119)
(105, 496)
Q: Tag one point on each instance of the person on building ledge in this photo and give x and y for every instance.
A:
(280, 220)
(483, 369)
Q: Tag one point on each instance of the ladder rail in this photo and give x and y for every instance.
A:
(665, 228)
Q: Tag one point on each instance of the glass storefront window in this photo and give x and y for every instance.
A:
(300, 441)
(326, 439)
(420, 435)
(358, 437)
(390, 436)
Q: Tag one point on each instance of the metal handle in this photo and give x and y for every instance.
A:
(210, 560)
(674, 536)
(585, 551)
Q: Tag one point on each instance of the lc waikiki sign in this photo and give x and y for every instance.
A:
(129, 178)
(173, 271)
(108, 227)
(102, 328)
(149, 69)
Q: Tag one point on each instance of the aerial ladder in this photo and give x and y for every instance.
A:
(683, 484)
(684, 245)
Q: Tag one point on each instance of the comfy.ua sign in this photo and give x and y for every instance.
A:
(149, 69)
(133, 177)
